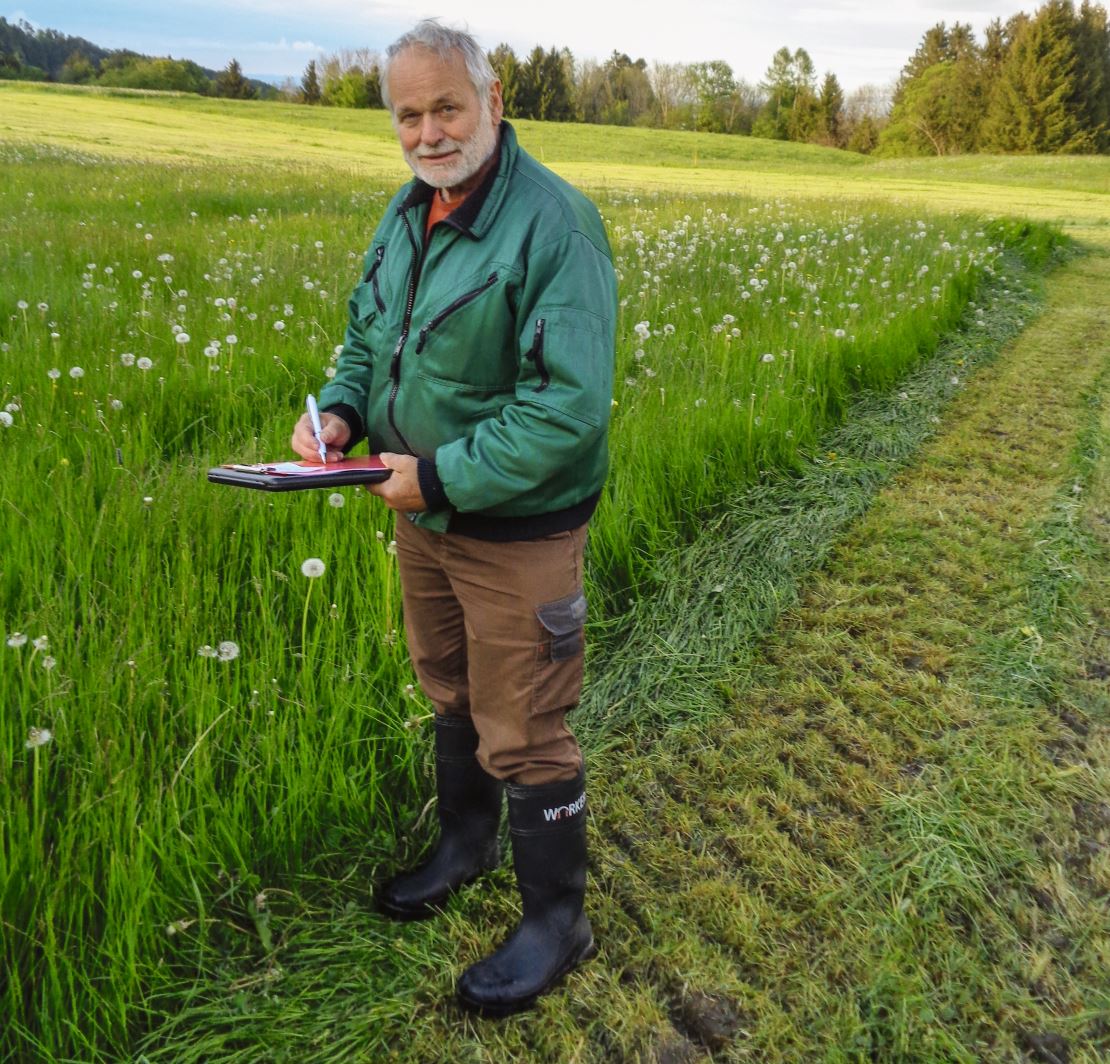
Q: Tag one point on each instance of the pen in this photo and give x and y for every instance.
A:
(317, 428)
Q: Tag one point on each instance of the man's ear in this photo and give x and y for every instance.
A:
(496, 104)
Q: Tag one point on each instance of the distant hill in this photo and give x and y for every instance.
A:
(49, 55)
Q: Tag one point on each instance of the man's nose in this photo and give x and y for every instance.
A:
(430, 132)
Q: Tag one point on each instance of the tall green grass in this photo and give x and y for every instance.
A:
(156, 320)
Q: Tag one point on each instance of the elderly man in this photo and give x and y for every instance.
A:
(478, 362)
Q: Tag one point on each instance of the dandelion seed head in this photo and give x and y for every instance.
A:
(227, 650)
(17, 639)
(54, 374)
(6, 420)
(207, 651)
(37, 737)
(312, 568)
(145, 363)
(337, 500)
(48, 662)
(182, 337)
(76, 372)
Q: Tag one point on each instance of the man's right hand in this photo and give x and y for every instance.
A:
(335, 434)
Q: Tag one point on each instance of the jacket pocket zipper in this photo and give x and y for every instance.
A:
(465, 298)
(372, 277)
(535, 353)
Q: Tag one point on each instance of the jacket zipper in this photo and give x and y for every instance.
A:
(465, 298)
(372, 277)
(406, 324)
(535, 353)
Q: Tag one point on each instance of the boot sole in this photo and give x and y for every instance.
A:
(498, 1010)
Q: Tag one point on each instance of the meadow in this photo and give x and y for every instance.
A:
(195, 727)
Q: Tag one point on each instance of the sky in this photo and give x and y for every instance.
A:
(861, 41)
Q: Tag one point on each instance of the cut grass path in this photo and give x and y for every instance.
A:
(885, 839)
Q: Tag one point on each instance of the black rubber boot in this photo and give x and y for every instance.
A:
(547, 825)
(469, 817)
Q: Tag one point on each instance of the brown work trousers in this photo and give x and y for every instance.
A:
(495, 632)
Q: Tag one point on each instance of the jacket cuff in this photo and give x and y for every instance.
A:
(431, 487)
(349, 414)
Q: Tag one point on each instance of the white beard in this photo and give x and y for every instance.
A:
(472, 155)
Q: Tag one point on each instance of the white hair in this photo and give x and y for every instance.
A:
(443, 42)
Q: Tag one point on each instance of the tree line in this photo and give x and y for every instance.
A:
(551, 85)
(30, 54)
(1036, 83)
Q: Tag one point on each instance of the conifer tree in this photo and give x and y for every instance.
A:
(507, 68)
(310, 83)
(1092, 92)
(1033, 105)
(832, 107)
(231, 83)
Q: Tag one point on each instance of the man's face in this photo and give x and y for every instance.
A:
(446, 131)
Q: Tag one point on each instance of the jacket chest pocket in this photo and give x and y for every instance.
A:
(468, 341)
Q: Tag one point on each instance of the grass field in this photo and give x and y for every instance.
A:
(234, 753)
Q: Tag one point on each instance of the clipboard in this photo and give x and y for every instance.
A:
(298, 476)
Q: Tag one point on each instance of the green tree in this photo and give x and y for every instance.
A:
(130, 71)
(714, 88)
(616, 93)
(939, 104)
(1033, 107)
(831, 102)
(553, 95)
(778, 86)
(864, 117)
(310, 83)
(507, 68)
(933, 49)
(350, 78)
(1092, 93)
(231, 83)
(791, 110)
(77, 70)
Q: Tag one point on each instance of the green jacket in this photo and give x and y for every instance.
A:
(487, 350)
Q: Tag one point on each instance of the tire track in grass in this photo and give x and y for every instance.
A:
(883, 687)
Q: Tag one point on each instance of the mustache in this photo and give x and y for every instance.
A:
(444, 146)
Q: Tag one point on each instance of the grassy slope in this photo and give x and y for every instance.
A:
(1070, 190)
(884, 840)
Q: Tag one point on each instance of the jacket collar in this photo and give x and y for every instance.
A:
(475, 215)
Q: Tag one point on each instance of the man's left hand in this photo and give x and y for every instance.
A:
(401, 492)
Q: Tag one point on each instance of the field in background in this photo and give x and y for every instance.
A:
(1068, 190)
(155, 317)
